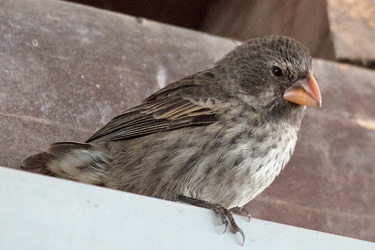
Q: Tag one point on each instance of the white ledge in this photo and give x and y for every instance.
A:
(40, 212)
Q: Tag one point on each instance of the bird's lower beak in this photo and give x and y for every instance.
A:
(304, 92)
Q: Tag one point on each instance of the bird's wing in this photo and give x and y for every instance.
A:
(165, 110)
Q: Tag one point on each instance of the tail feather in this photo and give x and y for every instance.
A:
(70, 160)
(37, 161)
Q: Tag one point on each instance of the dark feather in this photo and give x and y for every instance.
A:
(165, 110)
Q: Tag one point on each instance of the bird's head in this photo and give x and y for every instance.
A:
(273, 74)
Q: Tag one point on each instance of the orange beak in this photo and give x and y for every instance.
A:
(304, 92)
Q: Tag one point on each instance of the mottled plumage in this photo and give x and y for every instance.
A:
(220, 135)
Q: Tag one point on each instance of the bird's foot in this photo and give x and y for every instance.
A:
(241, 211)
(224, 213)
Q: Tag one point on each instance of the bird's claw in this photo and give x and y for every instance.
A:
(224, 213)
(225, 222)
(228, 220)
(241, 211)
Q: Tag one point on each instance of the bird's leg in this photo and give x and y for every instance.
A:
(241, 211)
(224, 213)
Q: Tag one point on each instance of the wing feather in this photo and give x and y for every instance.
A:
(165, 110)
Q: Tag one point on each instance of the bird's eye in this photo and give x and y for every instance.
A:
(276, 71)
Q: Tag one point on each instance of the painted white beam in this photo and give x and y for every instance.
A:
(40, 213)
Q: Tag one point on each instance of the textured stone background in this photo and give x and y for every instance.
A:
(66, 69)
(352, 25)
(331, 29)
(304, 20)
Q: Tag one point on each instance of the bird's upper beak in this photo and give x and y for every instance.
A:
(304, 92)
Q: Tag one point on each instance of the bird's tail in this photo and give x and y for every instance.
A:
(80, 162)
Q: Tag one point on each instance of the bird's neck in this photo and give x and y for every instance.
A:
(288, 113)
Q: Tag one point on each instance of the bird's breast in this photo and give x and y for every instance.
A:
(263, 156)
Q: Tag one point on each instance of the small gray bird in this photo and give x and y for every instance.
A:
(216, 138)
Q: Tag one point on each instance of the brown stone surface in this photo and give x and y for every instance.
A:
(352, 25)
(332, 29)
(304, 20)
(182, 13)
(67, 69)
